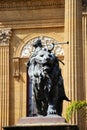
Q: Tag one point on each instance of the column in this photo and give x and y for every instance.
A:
(74, 52)
(4, 76)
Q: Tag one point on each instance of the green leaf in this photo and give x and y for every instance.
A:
(76, 106)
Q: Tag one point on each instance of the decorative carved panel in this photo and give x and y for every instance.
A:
(46, 42)
(16, 67)
(30, 4)
(5, 35)
(84, 5)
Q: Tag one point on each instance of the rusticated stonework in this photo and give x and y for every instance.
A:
(30, 4)
(5, 36)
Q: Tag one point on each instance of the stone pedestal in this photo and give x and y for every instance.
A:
(42, 123)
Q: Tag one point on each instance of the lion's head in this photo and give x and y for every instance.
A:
(45, 58)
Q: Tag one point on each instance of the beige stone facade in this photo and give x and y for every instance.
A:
(21, 21)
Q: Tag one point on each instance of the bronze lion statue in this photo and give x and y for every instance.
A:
(47, 81)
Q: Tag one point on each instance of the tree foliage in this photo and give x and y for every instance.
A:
(76, 106)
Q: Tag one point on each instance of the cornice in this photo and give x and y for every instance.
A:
(30, 4)
(33, 24)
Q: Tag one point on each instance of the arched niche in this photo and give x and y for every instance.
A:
(28, 49)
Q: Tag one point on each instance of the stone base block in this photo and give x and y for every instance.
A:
(42, 123)
(35, 121)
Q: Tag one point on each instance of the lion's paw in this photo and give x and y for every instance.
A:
(51, 110)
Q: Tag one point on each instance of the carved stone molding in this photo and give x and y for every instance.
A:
(46, 42)
(29, 4)
(5, 35)
(16, 70)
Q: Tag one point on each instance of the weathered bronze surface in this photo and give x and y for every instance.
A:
(47, 81)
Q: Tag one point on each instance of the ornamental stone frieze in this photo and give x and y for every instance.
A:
(5, 35)
(29, 4)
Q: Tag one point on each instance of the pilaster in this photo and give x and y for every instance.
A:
(84, 41)
(74, 52)
(4, 76)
